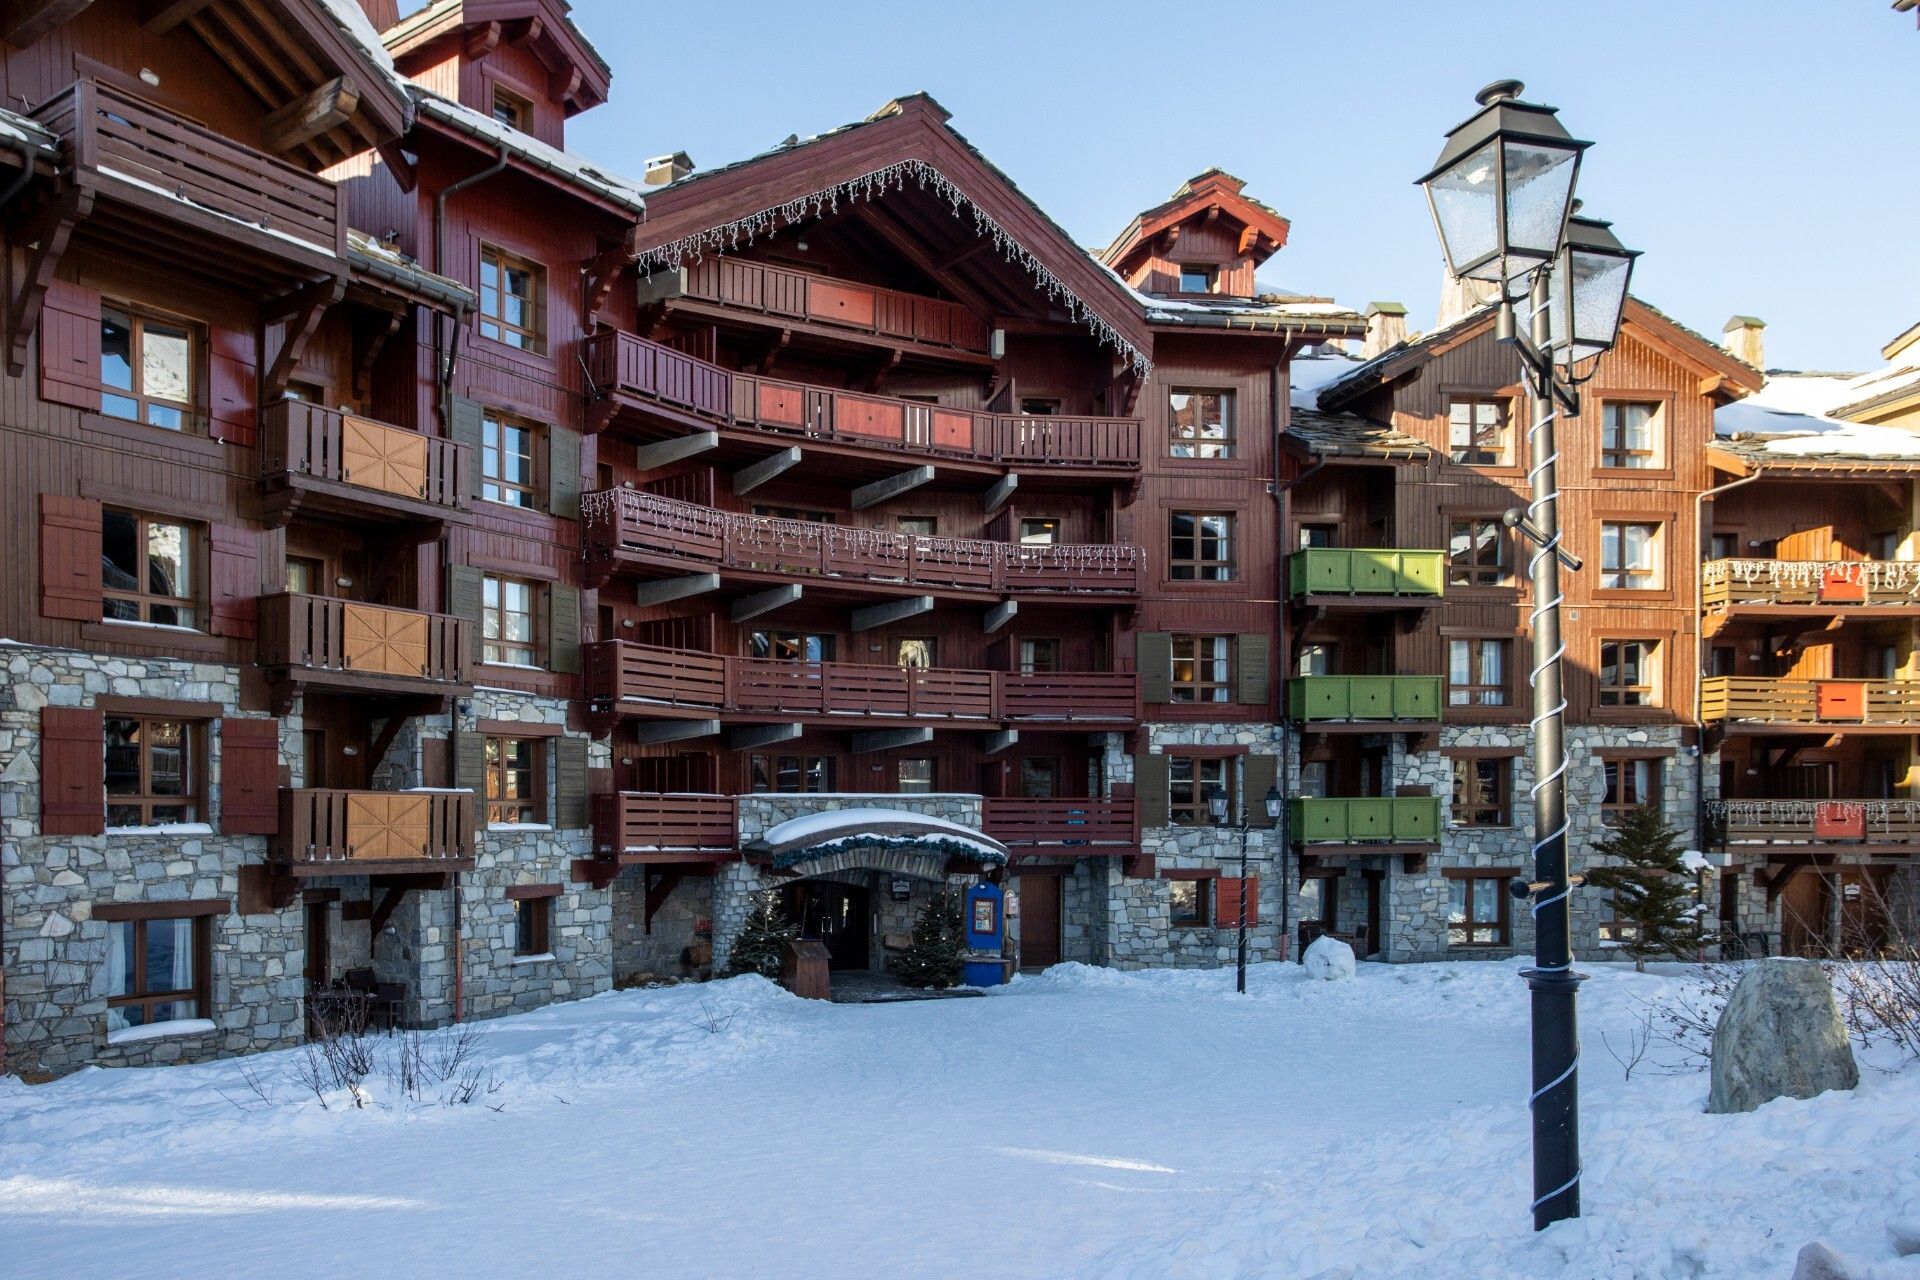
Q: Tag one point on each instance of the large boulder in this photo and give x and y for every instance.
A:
(1780, 1036)
(1328, 959)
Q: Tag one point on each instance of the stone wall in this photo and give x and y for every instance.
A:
(682, 920)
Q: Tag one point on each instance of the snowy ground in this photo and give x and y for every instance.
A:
(1083, 1123)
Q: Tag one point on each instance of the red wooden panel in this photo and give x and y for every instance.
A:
(783, 406)
(73, 785)
(952, 430)
(1226, 901)
(249, 777)
(864, 416)
(230, 388)
(840, 304)
(70, 346)
(1839, 820)
(1842, 584)
(69, 558)
(1841, 700)
(235, 579)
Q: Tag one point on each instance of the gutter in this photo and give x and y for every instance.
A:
(446, 354)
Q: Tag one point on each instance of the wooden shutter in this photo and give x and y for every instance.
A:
(1250, 652)
(1153, 659)
(470, 766)
(570, 783)
(563, 472)
(563, 629)
(70, 346)
(249, 777)
(232, 388)
(466, 590)
(1226, 901)
(463, 424)
(73, 786)
(235, 581)
(1258, 775)
(1151, 776)
(69, 558)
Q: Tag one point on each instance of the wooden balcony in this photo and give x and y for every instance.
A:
(625, 530)
(1062, 826)
(1385, 824)
(643, 680)
(318, 642)
(325, 832)
(1325, 701)
(174, 189)
(1856, 589)
(1366, 577)
(1858, 825)
(680, 390)
(1757, 704)
(652, 826)
(322, 461)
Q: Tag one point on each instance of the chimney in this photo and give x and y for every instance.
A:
(381, 13)
(1386, 327)
(664, 169)
(1459, 298)
(1744, 337)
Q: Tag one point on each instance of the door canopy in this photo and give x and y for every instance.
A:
(846, 839)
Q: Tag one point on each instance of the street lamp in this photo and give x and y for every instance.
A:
(1502, 200)
(1217, 810)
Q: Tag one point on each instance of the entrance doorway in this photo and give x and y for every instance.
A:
(1805, 904)
(1370, 944)
(1039, 921)
(834, 914)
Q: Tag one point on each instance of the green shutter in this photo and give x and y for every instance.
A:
(563, 472)
(570, 783)
(466, 589)
(470, 765)
(463, 424)
(1250, 674)
(1256, 777)
(1150, 782)
(563, 629)
(1153, 659)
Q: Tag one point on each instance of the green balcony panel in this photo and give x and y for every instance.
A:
(1366, 820)
(1384, 698)
(1373, 571)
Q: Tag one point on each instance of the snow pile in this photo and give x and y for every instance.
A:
(1797, 415)
(1329, 960)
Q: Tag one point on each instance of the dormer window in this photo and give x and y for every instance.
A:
(511, 109)
(1199, 277)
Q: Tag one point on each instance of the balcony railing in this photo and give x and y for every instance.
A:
(1812, 702)
(1366, 820)
(318, 639)
(1364, 698)
(1366, 571)
(1077, 825)
(786, 294)
(617, 671)
(1840, 584)
(358, 831)
(652, 822)
(1815, 821)
(378, 463)
(628, 526)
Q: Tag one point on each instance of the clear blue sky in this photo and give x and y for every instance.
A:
(1762, 153)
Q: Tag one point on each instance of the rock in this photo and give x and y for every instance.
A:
(1780, 1036)
(1328, 959)
(1817, 1262)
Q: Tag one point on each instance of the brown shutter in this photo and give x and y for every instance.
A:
(1150, 784)
(232, 394)
(563, 472)
(470, 766)
(235, 580)
(69, 558)
(70, 346)
(1250, 668)
(563, 629)
(73, 785)
(249, 777)
(1226, 901)
(463, 424)
(1259, 774)
(570, 782)
(466, 590)
(1153, 659)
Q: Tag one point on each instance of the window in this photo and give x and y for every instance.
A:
(917, 526)
(913, 777)
(511, 109)
(304, 574)
(792, 646)
(1200, 546)
(146, 368)
(1480, 433)
(1482, 791)
(1614, 930)
(1316, 778)
(915, 651)
(1477, 911)
(1632, 783)
(1189, 779)
(507, 452)
(514, 777)
(1039, 656)
(156, 971)
(1479, 553)
(1315, 660)
(1199, 277)
(1317, 535)
(1188, 900)
(1201, 423)
(1629, 556)
(146, 569)
(1039, 407)
(1039, 531)
(533, 926)
(1477, 673)
(512, 294)
(508, 633)
(1629, 673)
(1039, 777)
(810, 774)
(1724, 546)
(152, 771)
(1630, 436)
(1203, 669)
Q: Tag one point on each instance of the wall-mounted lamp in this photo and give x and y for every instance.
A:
(626, 623)
(150, 77)
(343, 581)
(349, 751)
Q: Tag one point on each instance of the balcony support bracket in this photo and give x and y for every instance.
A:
(595, 872)
(1000, 615)
(264, 888)
(1000, 739)
(881, 615)
(1001, 493)
(301, 310)
(879, 491)
(762, 735)
(651, 732)
(751, 477)
(667, 590)
(45, 234)
(659, 889)
(765, 602)
(889, 739)
(647, 457)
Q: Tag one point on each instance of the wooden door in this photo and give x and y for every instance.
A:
(1039, 921)
(836, 915)
(319, 967)
(1372, 946)
(1804, 904)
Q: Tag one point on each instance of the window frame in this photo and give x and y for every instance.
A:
(1651, 694)
(764, 772)
(493, 325)
(533, 926)
(1615, 767)
(138, 317)
(521, 104)
(1493, 813)
(1624, 577)
(1045, 531)
(1209, 272)
(199, 994)
(932, 770)
(1507, 455)
(1471, 573)
(494, 425)
(1029, 651)
(1192, 812)
(1200, 568)
(1191, 444)
(1615, 456)
(192, 536)
(1476, 692)
(493, 649)
(1202, 917)
(1473, 885)
(1194, 690)
(533, 804)
(193, 757)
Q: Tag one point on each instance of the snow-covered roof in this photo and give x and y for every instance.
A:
(16, 129)
(384, 261)
(1268, 311)
(1802, 416)
(624, 192)
(352, 19)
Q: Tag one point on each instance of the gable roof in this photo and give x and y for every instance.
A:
(609, 190)
(583, 77)
(1263, 229)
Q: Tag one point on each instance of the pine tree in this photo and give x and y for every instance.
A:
(1652, 893)
(762, 944)
(935, 957)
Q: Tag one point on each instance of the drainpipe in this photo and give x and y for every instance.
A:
(1703, 543)
(450, 352)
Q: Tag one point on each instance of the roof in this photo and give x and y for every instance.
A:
(624, 194)
(557, 41)
(1351, 435)
(1210, 189)
(16, 129)
(1810, 419)
(386, 264)
(1268, 313)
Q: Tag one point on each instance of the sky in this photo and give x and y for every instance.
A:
(1761, 154)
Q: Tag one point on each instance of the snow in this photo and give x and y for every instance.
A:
(1081, 1123)
(325, 251)
(164, 829)
(162, 1030)
(810, 825)
(1796, 415)
(622, 191)
(519, 826)
(353, 20)
(1308, 374)
(1849, 440)
(1329, 960)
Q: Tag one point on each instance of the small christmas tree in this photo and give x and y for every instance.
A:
(935, 956)
(762, 943)
(1653, 899)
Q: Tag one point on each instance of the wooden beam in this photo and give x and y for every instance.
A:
(376, 342)
(597, 872)
(482, 39)
(384, 911)
(162, 16)
(652, 732)
(879, 491)
(602, 271)
(1001, 493)
(867, 617)
(24, 21)
(310, 115)
(661, 453)
(999, 740)
(302, 312)
(762, 735)
(667, 590)
(752, 476)
(765, 602)
(889, 739)
(45, 237)
(1000, 615)
(658, 891)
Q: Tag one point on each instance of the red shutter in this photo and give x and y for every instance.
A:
(69, 558)
(235, 580)
(231, 394)
(70, 346)
(73, 785)
(249, 777)
(1226, 902)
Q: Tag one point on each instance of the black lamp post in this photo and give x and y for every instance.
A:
(1502, 200)
(1217, 810)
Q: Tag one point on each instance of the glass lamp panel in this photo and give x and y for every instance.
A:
(1539, 189)
(1599, 297)
(1466, 208)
